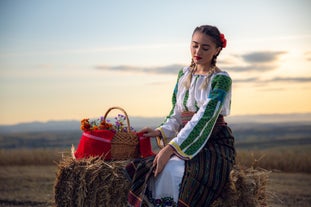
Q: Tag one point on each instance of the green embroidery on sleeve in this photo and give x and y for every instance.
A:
(208, 114)
(221, 85)
(222, 82)
(186, 100)
(174, 98)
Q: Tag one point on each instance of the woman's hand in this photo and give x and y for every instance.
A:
(148, 132)
(162, 158)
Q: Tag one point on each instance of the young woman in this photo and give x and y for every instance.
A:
(193, 167)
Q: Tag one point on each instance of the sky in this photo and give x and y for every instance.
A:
(68, 60)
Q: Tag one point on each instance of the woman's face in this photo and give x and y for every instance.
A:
(203, 49)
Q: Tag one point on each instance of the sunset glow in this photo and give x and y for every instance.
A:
(64, 60)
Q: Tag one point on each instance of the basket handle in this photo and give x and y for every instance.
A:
(124, 112)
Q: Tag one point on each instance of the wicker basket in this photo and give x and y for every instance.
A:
(124, 145)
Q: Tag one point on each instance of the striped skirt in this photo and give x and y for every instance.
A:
(204, 177)
(207, 173)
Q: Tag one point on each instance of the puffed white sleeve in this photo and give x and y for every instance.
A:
(171, 125)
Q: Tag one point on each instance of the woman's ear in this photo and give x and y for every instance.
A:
(218, 49)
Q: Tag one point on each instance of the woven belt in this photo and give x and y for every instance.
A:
(187, 115)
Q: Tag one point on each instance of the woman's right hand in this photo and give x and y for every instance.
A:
(148, 132)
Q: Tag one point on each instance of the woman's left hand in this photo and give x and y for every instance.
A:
(162, 158)
(148, 132)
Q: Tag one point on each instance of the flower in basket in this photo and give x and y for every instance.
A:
(85, 125)
(102, 124)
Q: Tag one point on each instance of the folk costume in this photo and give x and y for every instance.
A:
(203, 144)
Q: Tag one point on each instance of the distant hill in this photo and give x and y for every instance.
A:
(271, 118)
(140, 122)
(250, 132)
(71, 125)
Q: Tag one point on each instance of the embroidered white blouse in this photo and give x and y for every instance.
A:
(207, 102)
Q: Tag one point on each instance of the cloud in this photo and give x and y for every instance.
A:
(265, 57)
(248, 68)
(247, 80)
(168, 69)
(257, 61)
(292, 79)
(256, 80)
(250, 62)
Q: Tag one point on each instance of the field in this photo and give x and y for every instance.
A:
(22, 186)
(27, 173)
(27, 185)
(30, 181)
(289, 189)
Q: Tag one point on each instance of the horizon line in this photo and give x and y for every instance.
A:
(303, 114)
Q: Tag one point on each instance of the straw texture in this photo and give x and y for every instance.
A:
(94, 182)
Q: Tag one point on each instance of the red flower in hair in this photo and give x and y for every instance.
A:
(223, 40)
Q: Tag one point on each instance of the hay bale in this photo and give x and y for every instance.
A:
(90, 182)
(246, 188)
(94, 182)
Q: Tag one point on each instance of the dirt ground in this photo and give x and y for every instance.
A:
(22, 186)
(27, 185)
(289, 190)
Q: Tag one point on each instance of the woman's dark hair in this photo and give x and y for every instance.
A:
(215, 35)
(212, 32)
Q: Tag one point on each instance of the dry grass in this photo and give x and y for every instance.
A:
(91, 182)
(24, 157)
(276, 159)
(94, 182)
(279, 159)
(247, 188)
(26, 186)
